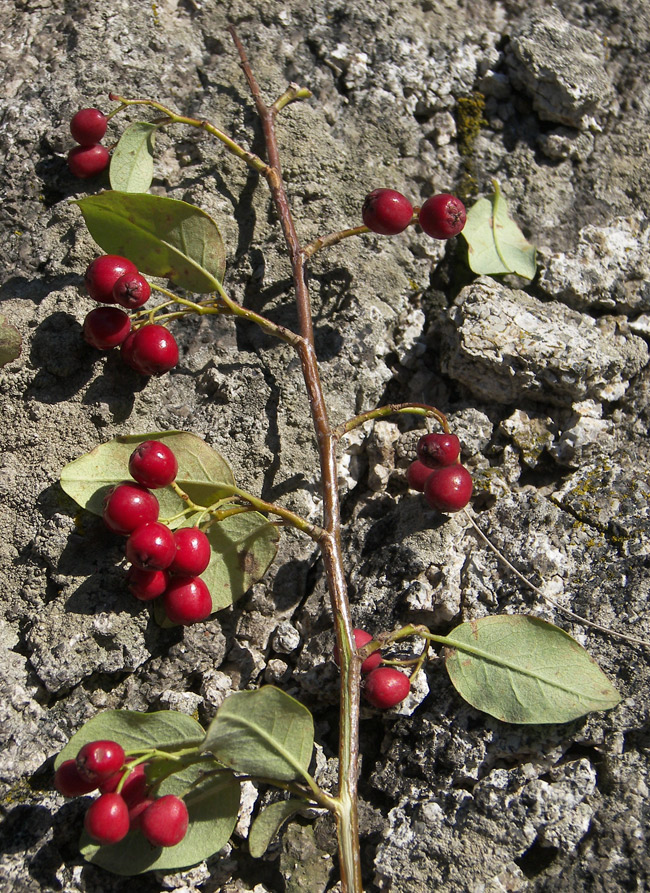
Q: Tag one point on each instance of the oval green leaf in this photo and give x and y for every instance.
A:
(265, 733)
(213, 807)
(495, 243)
(268, 823)
(135, 731)
(522, 669)
(131, 167)
(10, 342)
(162, 236)
(200, 471)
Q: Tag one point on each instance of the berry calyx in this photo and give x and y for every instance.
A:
(361, 638)
(70, 783)
(192, 552)
(153, 464)
(387, 212)
(131, 291)
(151, 350)
(417, 475)
(165, 822)
(134, 788)
(127, 506)
(85, 162)
(151, 547)
(102, 274)
(88, 126)
(435, 450)
(449, 489)
(98, 760)
(442, 216)
(187, 600)
(386, 687)
(146, 585)
(106, 327)
(107, 820)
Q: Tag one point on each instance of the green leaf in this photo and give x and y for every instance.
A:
(524, 670)
(265, 733)
(495, 243)
(213, 807)
(10, 342)
(135, 731)
(131, 167)
(162, 236)
(268, 823)
(200, 471)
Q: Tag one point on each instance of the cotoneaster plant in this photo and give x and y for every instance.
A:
(168, 790)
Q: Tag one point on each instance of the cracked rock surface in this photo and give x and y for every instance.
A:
(547, 384)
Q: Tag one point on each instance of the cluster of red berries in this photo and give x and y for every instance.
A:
(111, 279)
(385, 687)
(388, 212)
(89, 158)
(437, 472)
(163, 563)
(100, 765)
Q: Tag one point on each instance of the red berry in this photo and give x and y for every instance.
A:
(131, 291)
(106, 327)
(127, 506)
(134, 788)
(435, 450)
(187, 600)
(153, 464)
(442, 216)
(151, 350)
(98, 760)
(417, 475)
(361, 638)
(192, 552)
(151, 547)
(386, 687)
(107, 820)
(88, 161)
(88, 126)
(135, 812)
(147, 585)
(70, 783)
(449, 489)
(386, 212)
(165, 822)
(102, 274)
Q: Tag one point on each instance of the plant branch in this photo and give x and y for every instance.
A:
(421, 409)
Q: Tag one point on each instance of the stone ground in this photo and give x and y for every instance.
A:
(546, 383)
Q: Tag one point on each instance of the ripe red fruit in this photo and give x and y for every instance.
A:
(127, 506)
(134, 788)
(192, 552)
(387, 212)
(187, 600)
(417, 475)
(98, 760)
(151, 547)
(135, 812)
(88, 126)
(153, 464)
(449, 489)
(102, 274)
(386, 687)
(107, 820)
(106, 327)
(151, 350)
(88, 161)
(442, 216)
(70, 783)
(435, 450)
(165, 822)
(361, 638)
(146, 585)
(131, 291)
